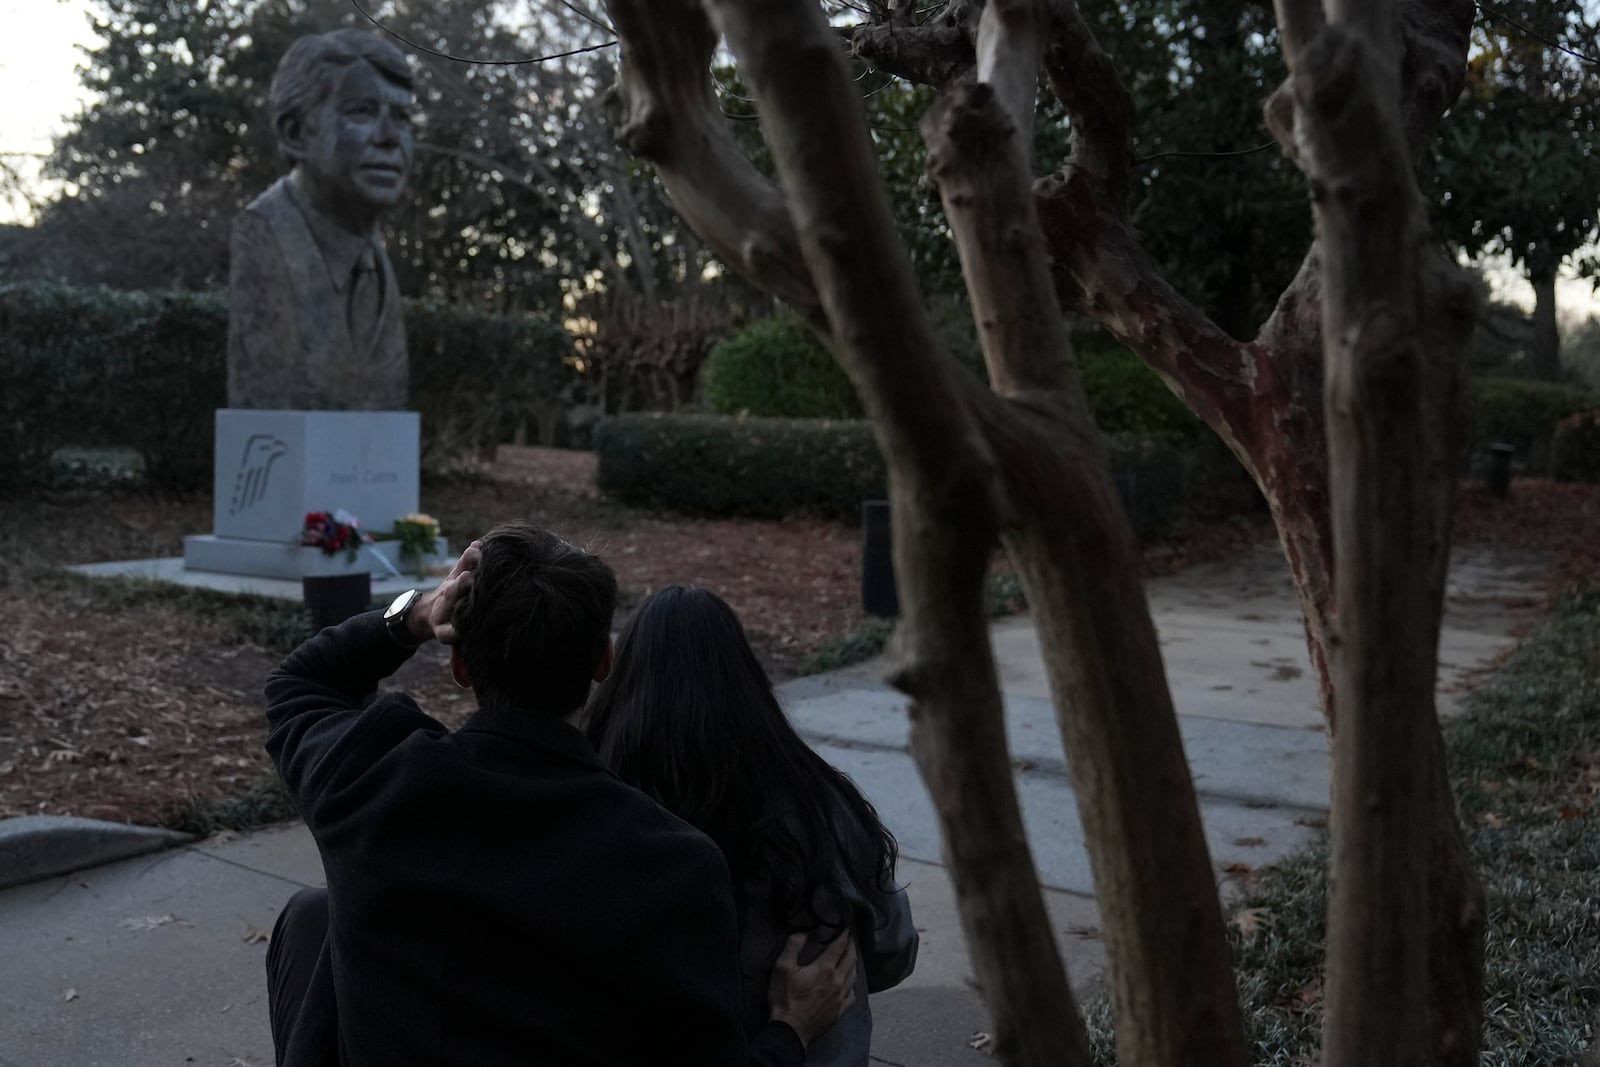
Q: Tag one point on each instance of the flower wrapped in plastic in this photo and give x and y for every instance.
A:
(334, 532)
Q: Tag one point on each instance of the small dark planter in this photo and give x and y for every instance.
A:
(333, 598)
(879, 595)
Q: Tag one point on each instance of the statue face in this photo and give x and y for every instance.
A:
(356, 150)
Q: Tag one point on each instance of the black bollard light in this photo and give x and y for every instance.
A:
(879, 596)
(333, 598)
(1499, 480)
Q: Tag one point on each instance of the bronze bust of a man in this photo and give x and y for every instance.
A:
(315, 320)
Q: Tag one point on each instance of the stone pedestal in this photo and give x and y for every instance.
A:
(273, 467)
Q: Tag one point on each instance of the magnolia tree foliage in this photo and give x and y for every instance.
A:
(1519, 157)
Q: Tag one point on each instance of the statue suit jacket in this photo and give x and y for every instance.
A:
(290, 342)
(496, 895)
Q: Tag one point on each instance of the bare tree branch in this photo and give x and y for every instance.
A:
(671, 118)
(1085, 79)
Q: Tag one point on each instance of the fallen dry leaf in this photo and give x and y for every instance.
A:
(147, 922)
(983, 1042)
(1251, 921)
(255, 936)
(70, 995)
(1238, 868)
(1249, 842)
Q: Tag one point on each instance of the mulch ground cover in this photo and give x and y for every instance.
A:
(141, 702)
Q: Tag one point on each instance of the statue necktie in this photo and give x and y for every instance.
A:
(366, 302)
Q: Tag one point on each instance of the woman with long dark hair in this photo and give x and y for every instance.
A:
(689, 716)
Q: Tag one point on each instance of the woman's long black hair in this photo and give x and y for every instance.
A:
(688, 715)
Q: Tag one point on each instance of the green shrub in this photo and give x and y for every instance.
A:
(1522, 413)
(716, 466)
(1127, 397)
(1133, 406)
(96, 367)
(748, 467)
(475, 377)
(1575, 453)
(777, 368)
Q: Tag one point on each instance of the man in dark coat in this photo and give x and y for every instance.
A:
(495, 895)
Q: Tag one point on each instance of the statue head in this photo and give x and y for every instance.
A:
(341, 107)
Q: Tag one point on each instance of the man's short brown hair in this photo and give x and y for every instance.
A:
(536, 621)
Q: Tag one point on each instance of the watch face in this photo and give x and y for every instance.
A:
(400, 603)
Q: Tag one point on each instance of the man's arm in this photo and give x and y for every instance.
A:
(317, 697)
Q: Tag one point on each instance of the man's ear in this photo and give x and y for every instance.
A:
(458, 668)
(604, 668)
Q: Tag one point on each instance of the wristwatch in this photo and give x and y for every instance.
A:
(395, 620)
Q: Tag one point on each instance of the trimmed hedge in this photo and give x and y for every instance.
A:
(476, 377)
(777, 368)
(747, 467)
(1127, 397)
(146, 370)
(1575, 455)
(92, 366)
(719, 467)
(1522, 413)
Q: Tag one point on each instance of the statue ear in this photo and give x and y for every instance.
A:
(293, 137)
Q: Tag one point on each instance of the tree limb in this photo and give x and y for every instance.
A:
(1173, 993)
(943, 494)
(671, 118)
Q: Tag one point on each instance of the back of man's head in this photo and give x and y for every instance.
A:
(536, 622)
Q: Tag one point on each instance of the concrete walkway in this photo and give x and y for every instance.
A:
(158, 960)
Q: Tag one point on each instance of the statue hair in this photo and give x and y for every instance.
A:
(310, 69)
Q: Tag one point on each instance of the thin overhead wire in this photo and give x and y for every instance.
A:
(1204, 155)
(477, 62)
(1491, 13)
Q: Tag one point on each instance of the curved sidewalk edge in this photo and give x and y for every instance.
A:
(33, 847)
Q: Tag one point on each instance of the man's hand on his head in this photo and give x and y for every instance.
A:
(434, 611)
(812, 997)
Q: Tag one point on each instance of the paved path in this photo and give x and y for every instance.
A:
(158, 960)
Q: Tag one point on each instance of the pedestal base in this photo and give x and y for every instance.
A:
(278, 559)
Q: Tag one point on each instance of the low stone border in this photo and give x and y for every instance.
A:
(33, 847)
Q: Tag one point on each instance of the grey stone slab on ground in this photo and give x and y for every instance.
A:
(1238, 761)
(172, 570)
(147, 962)
(1238, 833)
(930, 1018)
(40, 846)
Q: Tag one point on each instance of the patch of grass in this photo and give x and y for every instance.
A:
(1002, 593)
(856, 645)
(260, 803)
(1525, 760)
(277, 626)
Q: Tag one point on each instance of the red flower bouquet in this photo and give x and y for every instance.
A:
(334, 532)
